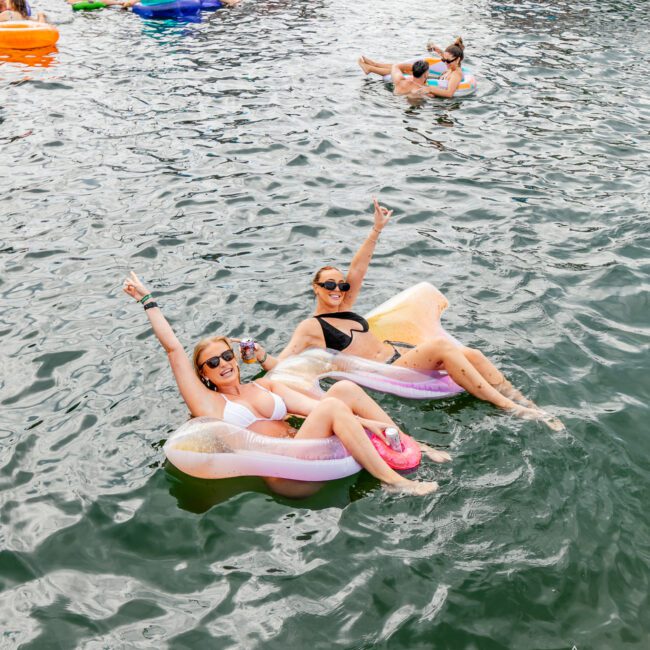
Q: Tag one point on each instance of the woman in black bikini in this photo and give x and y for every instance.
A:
(335, 326)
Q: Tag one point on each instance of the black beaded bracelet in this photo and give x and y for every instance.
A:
(150, 305)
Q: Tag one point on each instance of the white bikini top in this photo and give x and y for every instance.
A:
(242, 416)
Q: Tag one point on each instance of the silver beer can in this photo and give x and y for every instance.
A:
(392, 435)
(247, 350)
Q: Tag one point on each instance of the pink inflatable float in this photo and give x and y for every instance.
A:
(402, 461)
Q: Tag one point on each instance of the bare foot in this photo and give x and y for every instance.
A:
(537, 414)
(553, 423)
(362, 65)
(417, 488)
(435, 455)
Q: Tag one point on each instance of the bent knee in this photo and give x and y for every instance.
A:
(332, 403)
(439, 345)
(472, 353)
(344, 387)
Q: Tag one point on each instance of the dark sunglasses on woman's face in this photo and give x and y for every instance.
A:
(448, 61)
(330, 285)
(213, 362)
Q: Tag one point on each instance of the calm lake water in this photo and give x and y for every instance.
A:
(225, 161)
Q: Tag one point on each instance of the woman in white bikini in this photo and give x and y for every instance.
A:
(211, 386)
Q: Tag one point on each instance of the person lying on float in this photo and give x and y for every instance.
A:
(416, 84)
(211, 386)
(335, 326)
(17, 10)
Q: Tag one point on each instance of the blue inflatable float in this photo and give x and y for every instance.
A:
(211, 5)
(172, 9)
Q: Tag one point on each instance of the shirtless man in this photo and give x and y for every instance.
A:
(404, 85)
(414, 85)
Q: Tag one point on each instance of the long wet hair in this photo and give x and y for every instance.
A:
(198, 349)
(20, 6)
(457, 49)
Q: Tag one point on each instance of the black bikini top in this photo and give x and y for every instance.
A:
(334, 338)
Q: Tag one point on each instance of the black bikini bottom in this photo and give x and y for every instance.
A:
(398, 354)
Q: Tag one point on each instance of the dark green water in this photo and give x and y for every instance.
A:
(225, 161)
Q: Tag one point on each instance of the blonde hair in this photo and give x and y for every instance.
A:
(324, 268)
(198, 349)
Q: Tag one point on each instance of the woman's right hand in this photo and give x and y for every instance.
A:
(134, 287)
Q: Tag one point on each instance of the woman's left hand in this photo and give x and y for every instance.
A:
(260, 352)
(382, 215)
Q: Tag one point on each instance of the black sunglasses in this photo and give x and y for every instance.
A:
(213, 362)
(331, 285)
(448, 61)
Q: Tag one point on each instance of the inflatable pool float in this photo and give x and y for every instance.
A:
(467, 85)
(403, 461)
(172, 9)
(27, 35)
(87, 6)
(412, 316)
(211, 5)
(210, 448)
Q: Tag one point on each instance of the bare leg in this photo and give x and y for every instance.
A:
(381, 68)
(333, 416)
(500, 383)
(362, 404)
(438, 352)
(293, 489)
(495, 377)
(435, 455)
(406, 68)
(359, 401)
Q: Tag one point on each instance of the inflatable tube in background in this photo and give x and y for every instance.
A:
(173, 9)
(27, 35)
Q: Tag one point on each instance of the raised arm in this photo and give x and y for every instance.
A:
(195, 394)
(361, 260)
(432, 47)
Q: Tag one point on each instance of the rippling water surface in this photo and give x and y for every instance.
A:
(226, 160)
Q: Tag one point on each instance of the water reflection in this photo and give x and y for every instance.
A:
(44, 57)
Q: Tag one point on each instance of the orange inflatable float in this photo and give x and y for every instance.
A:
(27, 35)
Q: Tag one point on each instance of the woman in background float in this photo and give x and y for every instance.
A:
(13, 10)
